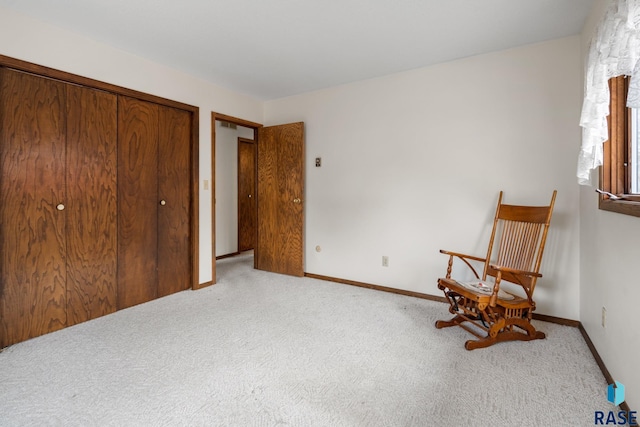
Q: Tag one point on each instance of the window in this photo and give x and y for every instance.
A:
(620, 173)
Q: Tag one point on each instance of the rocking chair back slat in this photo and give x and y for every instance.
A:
(518, 244)
(538, 214)
(520, 233)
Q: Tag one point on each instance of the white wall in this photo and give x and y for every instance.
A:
(609, 253)
(24, 38)
(413, 162)
(227, 187)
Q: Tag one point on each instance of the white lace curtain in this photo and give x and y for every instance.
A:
(614, 51)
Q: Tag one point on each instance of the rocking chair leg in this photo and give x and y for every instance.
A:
(539, 336)
(447, 323)
(481, 343)
(531, 334)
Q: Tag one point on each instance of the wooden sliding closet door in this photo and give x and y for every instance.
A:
(154, 181)
(137, 201)
(96, 199)
(32, 185)
(91, 208)
(174, 181)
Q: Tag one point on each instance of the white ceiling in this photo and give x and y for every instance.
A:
(275, 48)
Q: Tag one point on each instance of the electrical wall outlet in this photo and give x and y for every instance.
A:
(385, 261)
(604, 317)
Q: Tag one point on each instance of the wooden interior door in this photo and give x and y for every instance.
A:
(246, 194)
(137, 201)
(280, 188)
(32, 198)
(91, 210)
(174, 213)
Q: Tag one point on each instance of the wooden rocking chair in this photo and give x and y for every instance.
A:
(480, 306)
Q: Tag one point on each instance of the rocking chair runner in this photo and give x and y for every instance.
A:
(498, 315)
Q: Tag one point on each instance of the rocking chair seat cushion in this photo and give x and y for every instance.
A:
(505, 299)
(485, 288)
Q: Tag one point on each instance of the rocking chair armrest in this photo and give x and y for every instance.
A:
(465, 258)
(514, 270)
(460, 255)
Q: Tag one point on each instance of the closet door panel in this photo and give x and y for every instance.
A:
(174, 183)
(137, 201)
(91, 206)
(32, 230)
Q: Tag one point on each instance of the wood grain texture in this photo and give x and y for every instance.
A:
(91, 208)
(137, 201)
(267, 238)
(32, 237)
(195, 118)
(246, 194)
(280, 183)
(40, 291)
(174, 182)
(291, 188)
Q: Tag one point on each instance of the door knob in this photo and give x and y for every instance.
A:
(297, 201)
(249, 195)
(163, 202)
(60, 207)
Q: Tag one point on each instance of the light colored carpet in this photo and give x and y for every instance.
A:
(261, 349)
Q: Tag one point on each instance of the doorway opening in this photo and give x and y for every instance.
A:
(233, 184)
(276, 193)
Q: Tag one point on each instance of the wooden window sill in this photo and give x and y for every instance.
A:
(626, 207)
